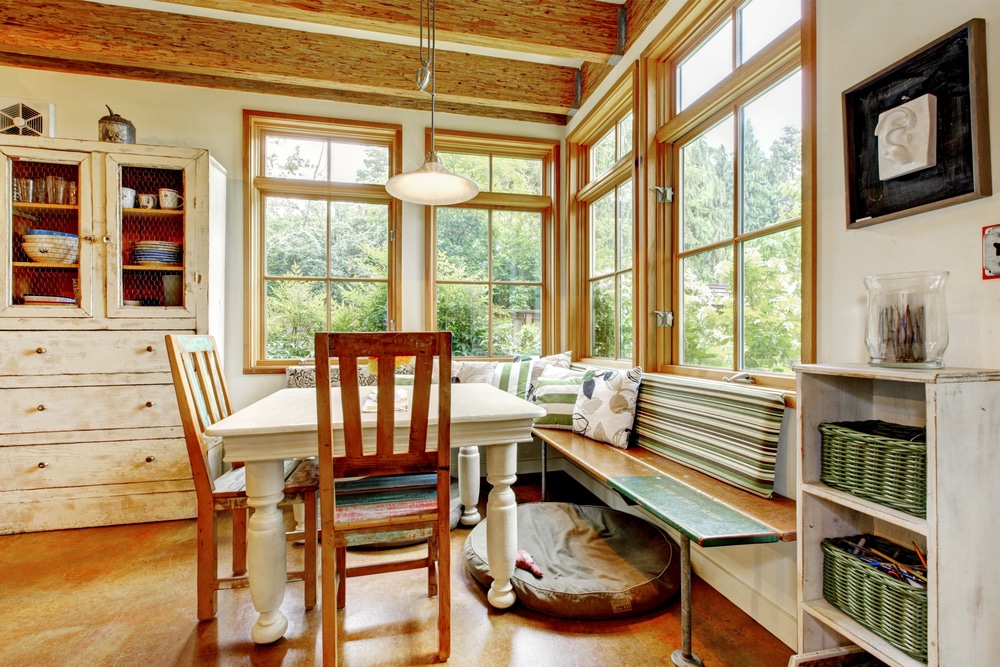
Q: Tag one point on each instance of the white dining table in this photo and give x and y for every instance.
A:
(283, 426)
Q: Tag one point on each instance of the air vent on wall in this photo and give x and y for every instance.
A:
(27, 118)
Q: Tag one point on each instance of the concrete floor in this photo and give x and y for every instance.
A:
(124, 596)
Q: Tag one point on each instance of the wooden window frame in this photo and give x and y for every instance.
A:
(584, 189)
(547, 203)
(256, 126)
(793, 49)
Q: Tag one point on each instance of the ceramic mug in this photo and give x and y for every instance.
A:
(170, 198)
(147, 201)
(128, 198)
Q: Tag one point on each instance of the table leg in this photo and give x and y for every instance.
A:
(468, 484)
(501, 524)
(685, 657)
(266, 549)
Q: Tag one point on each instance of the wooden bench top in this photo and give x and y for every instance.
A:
(709, 511)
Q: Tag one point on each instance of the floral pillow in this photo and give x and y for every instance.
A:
(605, 406)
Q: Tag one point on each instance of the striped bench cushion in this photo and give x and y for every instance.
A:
(727, 431)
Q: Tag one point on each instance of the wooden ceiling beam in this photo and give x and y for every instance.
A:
(579, 30)
(252, 86)
(179, 46)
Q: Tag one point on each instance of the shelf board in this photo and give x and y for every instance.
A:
(154, 212)
(844, 625)
(46, 265)
(41, 208)
(908, 521)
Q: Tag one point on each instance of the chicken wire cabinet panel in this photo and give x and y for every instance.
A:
(105, 248)
(959, 409)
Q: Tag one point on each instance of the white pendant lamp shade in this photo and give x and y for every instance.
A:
(432, 185)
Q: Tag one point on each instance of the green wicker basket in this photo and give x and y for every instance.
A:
(885, 605)
(882, 462)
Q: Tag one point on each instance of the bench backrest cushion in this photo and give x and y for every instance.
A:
(605, 406)
(727, 431)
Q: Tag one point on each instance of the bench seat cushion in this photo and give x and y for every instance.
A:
(597, 563)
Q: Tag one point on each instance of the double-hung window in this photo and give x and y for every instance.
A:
(490, 278)
(602, 226)
(732, 150)
(321, 233)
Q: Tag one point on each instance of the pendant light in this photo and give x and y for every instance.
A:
(432, 184)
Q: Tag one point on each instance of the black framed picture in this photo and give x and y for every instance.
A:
(917, 133)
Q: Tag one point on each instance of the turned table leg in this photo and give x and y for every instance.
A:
(501, 524)
(468, 484)
(266, 548)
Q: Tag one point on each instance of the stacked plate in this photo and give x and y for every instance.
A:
(50, 247)
(156, 252)
(48, 298)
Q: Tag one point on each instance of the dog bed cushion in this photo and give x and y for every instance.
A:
(597, 563)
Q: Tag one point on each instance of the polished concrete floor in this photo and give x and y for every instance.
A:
(124, 596)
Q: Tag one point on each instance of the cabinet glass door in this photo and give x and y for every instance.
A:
(149, 219)
(47, 234)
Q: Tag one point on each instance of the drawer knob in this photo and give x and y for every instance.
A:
(40, 350)
(42, 464)
(41, 408)
(150, 459)
(150, 348)
(149, 404)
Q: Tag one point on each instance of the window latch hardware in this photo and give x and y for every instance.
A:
(664, 318)
(664, 195)
(743, 377)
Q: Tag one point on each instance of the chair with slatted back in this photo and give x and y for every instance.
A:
(203, 399)
(377, 446)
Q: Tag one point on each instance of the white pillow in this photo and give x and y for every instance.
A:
(605, 406)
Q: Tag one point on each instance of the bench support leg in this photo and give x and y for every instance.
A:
(545, 466)
(685, 657)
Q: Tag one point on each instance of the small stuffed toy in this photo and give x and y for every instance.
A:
(525, 562)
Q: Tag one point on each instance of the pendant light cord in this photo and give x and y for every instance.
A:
(427, 72)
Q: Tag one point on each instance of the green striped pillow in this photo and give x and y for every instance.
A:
(514, 377)
(558, 397)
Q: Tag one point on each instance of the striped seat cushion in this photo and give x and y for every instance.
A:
(727, 431)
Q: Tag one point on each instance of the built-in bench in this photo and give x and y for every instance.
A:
(700, 423)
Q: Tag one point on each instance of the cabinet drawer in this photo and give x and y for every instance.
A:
(33, 410)
(59, 353)
(93, 463)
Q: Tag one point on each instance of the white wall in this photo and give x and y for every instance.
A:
(857, 38)
(205, 118)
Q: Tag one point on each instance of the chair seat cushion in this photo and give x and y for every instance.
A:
(597, 563)
(379, 499)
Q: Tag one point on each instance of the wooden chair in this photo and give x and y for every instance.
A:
(382, 453)
(203, 399)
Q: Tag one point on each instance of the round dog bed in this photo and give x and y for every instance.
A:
(596, 562)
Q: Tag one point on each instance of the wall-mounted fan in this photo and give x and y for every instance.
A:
(26, 118)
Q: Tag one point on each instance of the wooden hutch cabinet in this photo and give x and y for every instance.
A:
(92, 275)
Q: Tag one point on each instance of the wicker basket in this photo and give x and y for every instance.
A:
(882, 462)
(885, 605)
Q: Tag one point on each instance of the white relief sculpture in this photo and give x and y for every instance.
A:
(907, 137)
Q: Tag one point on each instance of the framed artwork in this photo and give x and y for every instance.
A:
(917, 133)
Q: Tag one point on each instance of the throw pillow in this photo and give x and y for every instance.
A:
(513, 377)
(561, 360)
(605, 406)
(476, 371)
(558, 397)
